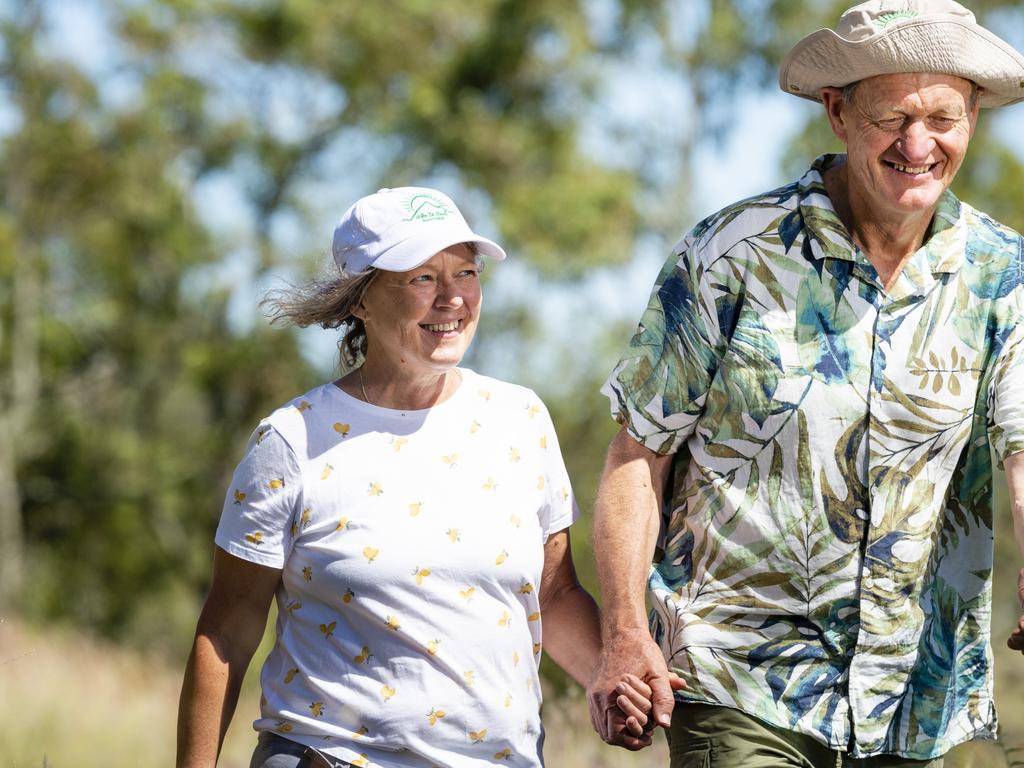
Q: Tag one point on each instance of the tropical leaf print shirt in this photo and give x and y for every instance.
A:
(411, 545)
(826, 563)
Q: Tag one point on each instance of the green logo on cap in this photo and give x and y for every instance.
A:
(423, 207)
(886, 19)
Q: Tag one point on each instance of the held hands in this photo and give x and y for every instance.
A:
(625, 707)
(1016, 641)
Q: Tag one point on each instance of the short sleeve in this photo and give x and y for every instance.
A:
(1006, 406)
(261, 501)
(559, 509)
(658, 388)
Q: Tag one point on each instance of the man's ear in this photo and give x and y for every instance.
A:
(835, 111)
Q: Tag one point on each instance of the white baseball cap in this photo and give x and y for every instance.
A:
(399, 229)
(882, 37)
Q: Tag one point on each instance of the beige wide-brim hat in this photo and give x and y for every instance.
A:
(885, 37)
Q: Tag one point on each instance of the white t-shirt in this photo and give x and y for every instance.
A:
(411, 544)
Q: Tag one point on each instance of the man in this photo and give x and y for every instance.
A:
(810, 405)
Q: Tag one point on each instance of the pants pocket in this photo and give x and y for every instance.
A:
(690, 753)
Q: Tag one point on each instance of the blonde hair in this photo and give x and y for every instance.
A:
(329, 304)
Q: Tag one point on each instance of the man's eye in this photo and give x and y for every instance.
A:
(891, 123)
(944, 123)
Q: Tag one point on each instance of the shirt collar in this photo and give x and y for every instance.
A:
(944, 244)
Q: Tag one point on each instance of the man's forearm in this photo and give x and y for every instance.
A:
(626, 524)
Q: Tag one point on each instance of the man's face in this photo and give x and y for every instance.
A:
(906, 136)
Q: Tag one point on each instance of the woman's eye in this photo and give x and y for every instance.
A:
(421, 279)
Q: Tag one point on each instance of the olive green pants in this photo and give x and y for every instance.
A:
(706, 736)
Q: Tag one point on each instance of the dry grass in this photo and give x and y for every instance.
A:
(67, 701)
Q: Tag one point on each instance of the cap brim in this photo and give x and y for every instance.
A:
(414, 251)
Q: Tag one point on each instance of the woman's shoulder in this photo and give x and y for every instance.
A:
(500, 393)
(299, 420)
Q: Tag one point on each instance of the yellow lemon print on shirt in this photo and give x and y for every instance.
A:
(291, 675)
(363, 730)
(307, 515)
(474, 427)
(239, 496)
(283, 726)
(505, 620)
(303, 406)
(326, 471)
(432, 647)
(387, 692)
(490, 485)
(415, 508)
(276, 483)
(532, 410)
(564, 493)
(536, 648)
(362, 761)
(342, 524)
(363, 656)
(450, 460)
(540, 482)
(347, 597)
(295, 529)
(328, 629)
(293, 606)
(515, 658)
(477, 736)
(535, 616)
(261, 434)
(342, 429)
(420, 574)
(398, 442)
(513, 455)
(307, 573)
(468, 677)
(453, 534)
(376, 489)
(508, 700)
(392, 622)
(544, 442)
(526, 588)
(467, 594)
(515, 520)
(370, 553)
(317, 708)
(484, 393)
(501, 558)
(254, 538)
(434, 715)
(505, 754)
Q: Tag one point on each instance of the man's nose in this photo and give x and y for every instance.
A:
(916, 143)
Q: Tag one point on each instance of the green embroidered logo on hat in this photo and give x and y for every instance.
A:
(886, 19)
(424, 207)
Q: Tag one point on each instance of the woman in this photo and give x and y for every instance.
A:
(410, 518)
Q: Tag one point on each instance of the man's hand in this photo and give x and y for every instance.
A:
(631, 664)
(1016, 641)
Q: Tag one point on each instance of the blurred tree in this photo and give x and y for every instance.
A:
(126, 393)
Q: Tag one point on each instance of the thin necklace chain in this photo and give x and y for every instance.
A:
(362, 386)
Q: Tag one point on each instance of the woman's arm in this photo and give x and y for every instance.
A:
(572, 637)
(229, 630)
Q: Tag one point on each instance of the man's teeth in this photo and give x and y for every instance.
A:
(908, 169)
(441, 327)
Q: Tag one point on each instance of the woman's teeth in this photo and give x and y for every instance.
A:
(441, 327)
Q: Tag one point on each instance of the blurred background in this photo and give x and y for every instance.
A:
(165, 162)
